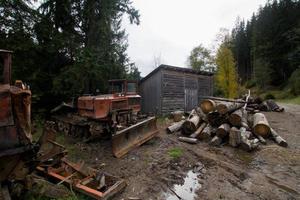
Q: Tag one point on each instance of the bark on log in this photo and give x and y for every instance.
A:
(175, 127)
(223, 130)
(198, 132)
(191, 124)
(273, 106)
(216, 141)
(206, 133)
(226, 107)
(261, 125)
(234, 137)
(247, 144)
(278, 139)
(224, 99)
(188, 140)
(207, 105)
(235, 118)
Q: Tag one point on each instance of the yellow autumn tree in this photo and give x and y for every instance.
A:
(226, 76)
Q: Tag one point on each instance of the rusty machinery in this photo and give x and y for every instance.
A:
(115, 115)
(20, 156)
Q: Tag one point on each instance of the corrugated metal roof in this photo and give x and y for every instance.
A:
(180, 69)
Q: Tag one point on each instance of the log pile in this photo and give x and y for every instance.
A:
(224, 121)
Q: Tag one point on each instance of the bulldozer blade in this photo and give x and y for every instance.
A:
(133, 136)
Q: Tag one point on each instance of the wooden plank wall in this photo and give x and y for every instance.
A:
(150, 91)
(173, 85)
(168, 90)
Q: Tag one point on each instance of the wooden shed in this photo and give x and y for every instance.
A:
(169, 88)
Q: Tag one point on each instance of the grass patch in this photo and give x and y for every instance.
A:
(295, 100)
(175, 152)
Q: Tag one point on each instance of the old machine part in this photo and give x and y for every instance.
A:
(17, 153)
(114, 115)
(20, 156)
(89, 181)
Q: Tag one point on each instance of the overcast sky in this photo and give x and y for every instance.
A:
(170, 29)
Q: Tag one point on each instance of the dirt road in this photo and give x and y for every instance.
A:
(157, 169)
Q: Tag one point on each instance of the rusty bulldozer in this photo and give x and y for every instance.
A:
(20, 157)
(115, 115)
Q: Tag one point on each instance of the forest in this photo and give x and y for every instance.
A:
(266, 48)
(66, 48)
(262, 52)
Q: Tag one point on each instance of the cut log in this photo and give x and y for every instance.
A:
(177, 115)
(198, 132)
(261, 125)
(216, 141)
(188, 140)
(191, 124)
(215, 119)
(224, 99)
(223, 130)
(249, 145)
(175, 127)
(234, 137)
(273, 106)
(278, 139)
(206, 133)
(245, 143)
(226, 107)
(201, 114)
(207, 105)
(239, 118)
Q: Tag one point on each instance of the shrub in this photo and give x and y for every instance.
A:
(269, 96)
(294, 82)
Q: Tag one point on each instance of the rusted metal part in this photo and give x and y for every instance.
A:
(85, 180)
(129, 138)
(6, 56)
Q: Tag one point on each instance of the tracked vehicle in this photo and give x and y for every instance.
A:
(116, 115)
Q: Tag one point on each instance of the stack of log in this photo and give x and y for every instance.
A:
(222, 121)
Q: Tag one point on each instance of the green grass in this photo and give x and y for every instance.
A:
(175, 152)
(295, 100)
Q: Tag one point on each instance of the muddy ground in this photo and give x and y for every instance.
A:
(152, 170)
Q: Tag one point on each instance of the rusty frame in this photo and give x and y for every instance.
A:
(82, 179)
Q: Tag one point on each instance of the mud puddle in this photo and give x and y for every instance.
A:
(186, 191)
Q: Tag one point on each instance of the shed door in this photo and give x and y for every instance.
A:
(191, 99)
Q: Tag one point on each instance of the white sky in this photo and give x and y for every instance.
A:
(170, 29)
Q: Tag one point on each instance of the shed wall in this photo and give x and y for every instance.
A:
(150, 90)
(168, 90)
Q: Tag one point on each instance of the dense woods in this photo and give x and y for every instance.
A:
(267, 47)
(63, 48)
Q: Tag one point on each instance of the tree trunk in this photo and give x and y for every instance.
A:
(188, 140)
(278, 139)
(260, 125)
(175, 127)
(199, 131)
(223, 130)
